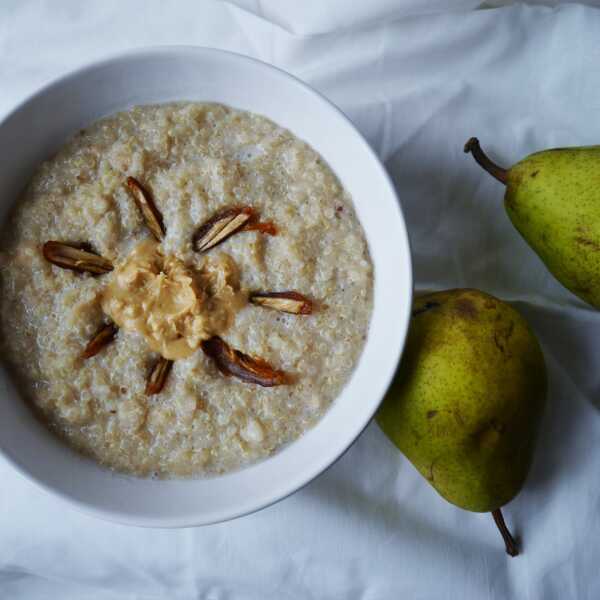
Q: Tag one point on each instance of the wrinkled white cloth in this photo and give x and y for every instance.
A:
(521, 78)
(316, 16)
(312, 17)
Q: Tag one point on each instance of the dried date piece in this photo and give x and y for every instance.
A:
(68, 256)
(266, 227)
(289, 302)
(145, 203)
(158, 376)
(218, 228)
(104, 336)
(247, 368)
(224, 224)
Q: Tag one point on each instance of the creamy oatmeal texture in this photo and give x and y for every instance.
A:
(197, 159)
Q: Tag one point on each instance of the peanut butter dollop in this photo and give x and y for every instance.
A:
(172, 305)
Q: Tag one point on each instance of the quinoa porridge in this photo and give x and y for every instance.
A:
(196, 365)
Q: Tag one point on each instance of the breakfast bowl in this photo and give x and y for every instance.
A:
(36, 129)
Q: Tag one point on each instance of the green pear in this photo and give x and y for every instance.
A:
(553, 199)
(466, 402)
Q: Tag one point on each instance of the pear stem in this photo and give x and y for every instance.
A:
(479, 155)
(509, 541)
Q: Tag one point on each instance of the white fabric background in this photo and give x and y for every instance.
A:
(521, 78)
(309, 17)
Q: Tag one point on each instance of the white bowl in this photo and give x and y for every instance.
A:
(41, 124)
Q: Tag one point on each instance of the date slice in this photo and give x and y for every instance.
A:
(288, 302)
(224, 224)
(266, 227)
(218, 228)
(146, 205)
(104, 336)
(158, 376)
(68, 256)
(246, 368)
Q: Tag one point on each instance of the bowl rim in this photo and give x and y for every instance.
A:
(319, 466)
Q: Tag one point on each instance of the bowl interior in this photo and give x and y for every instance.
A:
(37, 128)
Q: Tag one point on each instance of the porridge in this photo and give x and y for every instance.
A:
(185, 289)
